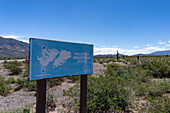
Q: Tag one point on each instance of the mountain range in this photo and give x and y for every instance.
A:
(157, 53)
(12, 48)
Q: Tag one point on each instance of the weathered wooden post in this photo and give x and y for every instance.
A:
(83, 94)
(41, 96)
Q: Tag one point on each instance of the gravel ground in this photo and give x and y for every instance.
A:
(17, 100)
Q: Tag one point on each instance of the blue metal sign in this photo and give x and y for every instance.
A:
(50, 59)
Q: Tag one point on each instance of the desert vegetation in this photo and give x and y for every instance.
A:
(129, 84)
(136, 86)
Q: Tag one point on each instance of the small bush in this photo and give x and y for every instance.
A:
(155, 68)
(13, 67)
(51, 105)
(54, 82)
(74, 78)
(11, 80)
(104, 93)
(158, 88)
(157, 105)
(4, 86)
(24, 83)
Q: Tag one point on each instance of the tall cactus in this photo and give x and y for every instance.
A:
(117, 55)
(138, 57)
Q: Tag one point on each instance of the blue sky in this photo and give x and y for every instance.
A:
(130, 26)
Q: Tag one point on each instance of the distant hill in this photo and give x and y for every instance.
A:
(167, 52)
(108, 55)
(140, 54)
(11, 48)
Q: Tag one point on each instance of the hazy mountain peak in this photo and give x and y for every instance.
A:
(12, 48)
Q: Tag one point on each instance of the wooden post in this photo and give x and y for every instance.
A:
(41, 96)
(83, 94)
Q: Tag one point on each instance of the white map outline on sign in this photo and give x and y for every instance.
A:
(64, 55)
(47, 56)
(50, 54)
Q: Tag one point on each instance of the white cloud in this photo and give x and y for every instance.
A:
(10, 36)
(169, 41)
(20, 38)
(161, 42)
(126, 51)
(168, 45)
(149, 45)
(27, 41)
(136, 47)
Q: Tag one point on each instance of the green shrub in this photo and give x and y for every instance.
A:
(157, 105)
(158, 88)
(155, 68)
(25, 74)
(30, 85)
(11, 80)
(13, 67)
(4, 86)
(54, 82)
(104, 93)
(24, 83)
(50, 105)
(74, 78)
(15, 70)
(141, 89)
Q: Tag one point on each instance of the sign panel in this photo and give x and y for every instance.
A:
(50, 59)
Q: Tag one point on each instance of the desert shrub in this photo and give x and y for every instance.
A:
(101, 61)
(50, 105)
(11, 80)
(4, 86)
(167, 72)
(104, 94)
(30, 85)
(151, 89)
(140, 75)
(94, 60)
(13, 67)
(141, 89)
(15, 70)
(26, 110)
(54, 82)
(155, 68)
(157, 105)
(24, 83)
(158, 88)
(74, 78)
(123, 72)
(25, 74)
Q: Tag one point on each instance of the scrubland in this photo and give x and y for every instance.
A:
(125, 85)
